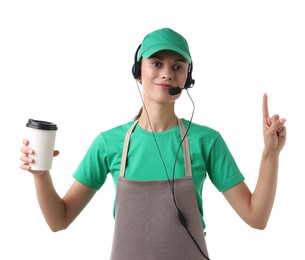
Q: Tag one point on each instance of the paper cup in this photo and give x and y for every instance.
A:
(41, 135)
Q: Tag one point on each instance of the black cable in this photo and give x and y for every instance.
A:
(152, 131)
(187, 130)
(180, 214)
(172, 185)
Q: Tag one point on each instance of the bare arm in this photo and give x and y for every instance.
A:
(255, 208)
(58, 212)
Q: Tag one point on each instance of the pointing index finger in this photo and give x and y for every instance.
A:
(265, 109)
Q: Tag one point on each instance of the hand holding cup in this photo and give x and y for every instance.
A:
(38, 147)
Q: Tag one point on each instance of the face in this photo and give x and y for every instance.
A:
(163, 70)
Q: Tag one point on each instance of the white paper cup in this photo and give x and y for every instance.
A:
(41, 135)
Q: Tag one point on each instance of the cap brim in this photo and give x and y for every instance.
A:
(152, 50)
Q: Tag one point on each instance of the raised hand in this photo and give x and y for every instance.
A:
(274, 129)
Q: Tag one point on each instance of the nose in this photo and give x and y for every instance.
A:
(167, 73)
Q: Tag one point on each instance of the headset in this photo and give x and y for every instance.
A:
(136, 71)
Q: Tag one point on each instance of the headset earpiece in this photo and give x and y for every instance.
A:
(136, 68)
(189, 80)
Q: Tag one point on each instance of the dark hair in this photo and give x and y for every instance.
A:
(139, 114)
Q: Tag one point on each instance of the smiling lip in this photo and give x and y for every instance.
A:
(165, 86)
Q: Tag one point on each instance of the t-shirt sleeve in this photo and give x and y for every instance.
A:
(222, 168)
(93, 169)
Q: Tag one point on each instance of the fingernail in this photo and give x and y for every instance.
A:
(283, 120)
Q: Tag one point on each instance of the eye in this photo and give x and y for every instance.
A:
(178, 67)
(156, 63)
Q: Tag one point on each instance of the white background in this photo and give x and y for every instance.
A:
(69, 62)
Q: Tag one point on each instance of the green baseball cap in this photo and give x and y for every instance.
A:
(164, 39)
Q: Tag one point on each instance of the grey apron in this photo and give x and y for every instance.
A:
(147, 226)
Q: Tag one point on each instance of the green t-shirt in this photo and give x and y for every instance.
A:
(209, 156)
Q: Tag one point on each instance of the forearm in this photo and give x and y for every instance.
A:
(51, 205)
(262, 199)
(255, 208)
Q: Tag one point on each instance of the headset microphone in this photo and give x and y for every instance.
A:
(175, 91)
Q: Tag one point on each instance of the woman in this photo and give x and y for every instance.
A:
(159, 163)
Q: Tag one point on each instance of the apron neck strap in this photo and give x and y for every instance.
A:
(186, 149)
(125, 148)
(185, 145)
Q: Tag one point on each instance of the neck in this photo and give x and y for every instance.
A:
(158, 117)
